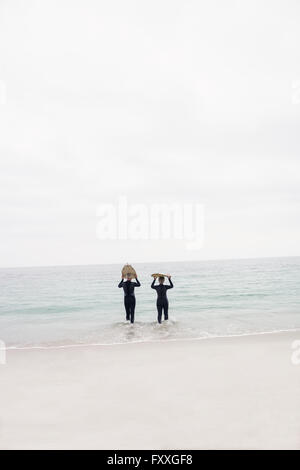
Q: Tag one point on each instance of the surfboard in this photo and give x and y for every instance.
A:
(128, 269)
(160, 275)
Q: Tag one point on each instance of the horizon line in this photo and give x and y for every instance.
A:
(147, 262)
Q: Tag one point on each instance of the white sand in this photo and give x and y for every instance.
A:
(238, 392)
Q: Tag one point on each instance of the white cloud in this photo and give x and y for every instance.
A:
(158, 101)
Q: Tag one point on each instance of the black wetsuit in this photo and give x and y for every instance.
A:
(162, 302)
(129, 297)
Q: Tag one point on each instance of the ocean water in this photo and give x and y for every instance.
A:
(67, 305)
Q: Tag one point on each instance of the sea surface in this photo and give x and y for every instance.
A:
(74, 305)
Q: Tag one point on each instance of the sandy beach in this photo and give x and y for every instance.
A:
(224, 393)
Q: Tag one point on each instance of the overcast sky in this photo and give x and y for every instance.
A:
(158, 101)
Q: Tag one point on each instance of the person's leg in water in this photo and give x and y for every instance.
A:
(127, 304)
(159, 311)
(166, 310)
(132, 308)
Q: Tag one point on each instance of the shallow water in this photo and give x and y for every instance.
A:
(55, 306)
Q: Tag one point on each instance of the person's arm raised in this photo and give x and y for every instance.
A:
(121, 283)
(171, 283)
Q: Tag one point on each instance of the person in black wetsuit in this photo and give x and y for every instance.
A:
(129, 297)
(162, 302)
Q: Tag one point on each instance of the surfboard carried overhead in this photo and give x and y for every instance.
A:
(160, 275)
(128, 269)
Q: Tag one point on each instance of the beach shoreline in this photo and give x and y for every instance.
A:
(141, 341)
(237, 392)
